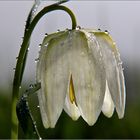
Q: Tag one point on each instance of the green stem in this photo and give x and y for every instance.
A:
(20, 62)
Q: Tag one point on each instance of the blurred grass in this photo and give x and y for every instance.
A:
(128, 127)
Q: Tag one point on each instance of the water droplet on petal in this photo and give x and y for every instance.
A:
(106, 31)
(78, 27)
(31, 86)
(120, 63)
(46, 45)
(114, 43)
(36, 60)
(39, 45)
(58, 30)
(46, 34)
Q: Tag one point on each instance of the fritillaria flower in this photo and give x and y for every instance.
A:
(80, 71)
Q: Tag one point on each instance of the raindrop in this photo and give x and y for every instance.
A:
(34, 132)
(58, 30)
(40, 138)
(39, 45)
(38, 106)
(78, 27)
(36, 60)
(114, 43)
(120, 63)
(106, 31)
(28, 49)
(26, 29)
(31, 86)
(46, 45)
(46, 34)
(34, 123)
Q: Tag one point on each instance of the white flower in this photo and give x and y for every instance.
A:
(80, 71)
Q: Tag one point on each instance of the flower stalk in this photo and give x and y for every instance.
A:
(21, 61)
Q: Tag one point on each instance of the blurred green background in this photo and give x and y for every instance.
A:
(128, 127)
(124, 26)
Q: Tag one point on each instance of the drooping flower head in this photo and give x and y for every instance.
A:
(80, 71)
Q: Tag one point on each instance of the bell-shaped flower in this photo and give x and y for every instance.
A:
(80, 71)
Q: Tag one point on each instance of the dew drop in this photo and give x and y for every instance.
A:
(106, 31)
(46, 45)
(36, 60)
(34, 132)
(120, 63)
(38, 106)
(114, 43)
(46, 34)
(28, 49)
(34, 123)
(40, 45)
(14, 69)
(58, 30)
(78, 27)
(40, 138)
(31, 86)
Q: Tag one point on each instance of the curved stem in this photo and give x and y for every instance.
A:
(20, 62)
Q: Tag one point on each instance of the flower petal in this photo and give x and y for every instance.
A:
(53, 75)
(108, 105)
(70, 106)
(114, 71)
(88, 75)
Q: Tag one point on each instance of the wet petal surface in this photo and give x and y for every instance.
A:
(114, 71)
(88, 76)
